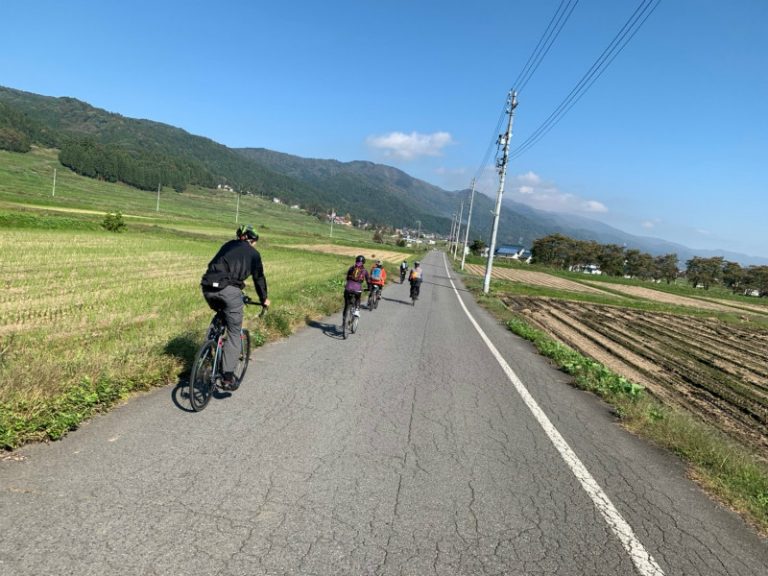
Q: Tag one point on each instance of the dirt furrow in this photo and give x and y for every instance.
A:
(645, 348)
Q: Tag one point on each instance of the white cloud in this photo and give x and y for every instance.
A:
(651, 223)
(593, 206)
(529, 177)
(410, 146)
(531, 189)
(443, 171)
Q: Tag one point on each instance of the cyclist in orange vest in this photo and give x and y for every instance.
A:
(378, 276)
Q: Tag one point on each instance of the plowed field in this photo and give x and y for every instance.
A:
(716, 370)
(534, 278)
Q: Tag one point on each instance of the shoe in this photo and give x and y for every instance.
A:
(229, 382)
(356, 313)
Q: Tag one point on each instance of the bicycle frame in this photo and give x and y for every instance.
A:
(203, 380)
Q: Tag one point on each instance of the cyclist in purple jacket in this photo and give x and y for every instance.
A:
(353, 289)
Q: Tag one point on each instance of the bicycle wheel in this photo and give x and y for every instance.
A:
(245, 356)
(201, 380)
(345, 323)
(376, 300)
(371, 301)
(353, 324)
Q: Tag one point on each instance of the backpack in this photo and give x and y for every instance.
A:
(357, 274)
(414, 275)
(376, 274)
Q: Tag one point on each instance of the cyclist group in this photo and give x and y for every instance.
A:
(375, 279)
(236, 260)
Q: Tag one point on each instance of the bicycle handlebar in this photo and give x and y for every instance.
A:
(248, 301)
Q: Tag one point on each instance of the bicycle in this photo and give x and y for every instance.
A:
(351, 317)
(414, 292)
(402, 274)
(206, 373)
(374, 297)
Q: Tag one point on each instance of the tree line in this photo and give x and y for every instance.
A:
(142, 170)
(559, 251)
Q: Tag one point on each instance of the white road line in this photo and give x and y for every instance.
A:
(642, 560)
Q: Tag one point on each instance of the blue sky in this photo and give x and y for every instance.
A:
(671, 141)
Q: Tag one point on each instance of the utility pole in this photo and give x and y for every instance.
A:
(453, 229)
(333, 217)
(53, 193)
(458, 230)
(157, 206)
(502, 166)
(469, 219)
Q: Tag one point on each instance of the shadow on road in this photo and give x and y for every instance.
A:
(408, 302)
(184, 347)
(330, 330)
(180, 395)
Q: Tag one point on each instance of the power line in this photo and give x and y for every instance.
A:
(493, 141)
(619, 42)
(555, 26)
(548, 37)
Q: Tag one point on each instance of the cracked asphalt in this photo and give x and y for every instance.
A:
(403, 450)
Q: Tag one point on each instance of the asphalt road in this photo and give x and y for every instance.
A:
(410, 448)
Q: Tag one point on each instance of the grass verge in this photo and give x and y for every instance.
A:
(732, 473)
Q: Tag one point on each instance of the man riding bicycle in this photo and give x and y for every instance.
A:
(403, 270)
(377, 276)
(356, 275)
(222, 286)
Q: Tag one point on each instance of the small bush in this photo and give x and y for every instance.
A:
(113, 222)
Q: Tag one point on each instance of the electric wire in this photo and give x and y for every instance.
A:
(556, 24)
(492, 143)
(548, 37)
(615, 47)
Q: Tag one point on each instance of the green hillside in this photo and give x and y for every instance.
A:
(144, 154)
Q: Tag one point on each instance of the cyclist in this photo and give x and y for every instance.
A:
(356, 275)
(222, 286)
(403, 270)
(377, 276)
(415, 278)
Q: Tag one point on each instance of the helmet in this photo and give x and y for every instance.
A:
(247, 233)
(378, 263)
(360, 259)
(417, 263)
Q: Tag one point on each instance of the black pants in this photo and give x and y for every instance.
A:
(415, 289)
(351, 298)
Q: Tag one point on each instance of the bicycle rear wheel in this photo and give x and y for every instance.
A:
(245, 356)
(371, 300)
(201, 380)
(353, 324)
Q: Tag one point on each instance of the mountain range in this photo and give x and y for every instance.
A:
(376, 193)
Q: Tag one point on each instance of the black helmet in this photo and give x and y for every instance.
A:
(360, 259)
(247, 232)
(417, 263)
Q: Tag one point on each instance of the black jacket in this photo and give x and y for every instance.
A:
(235, 261)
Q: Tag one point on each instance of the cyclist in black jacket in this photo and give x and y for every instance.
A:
(222, 286)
